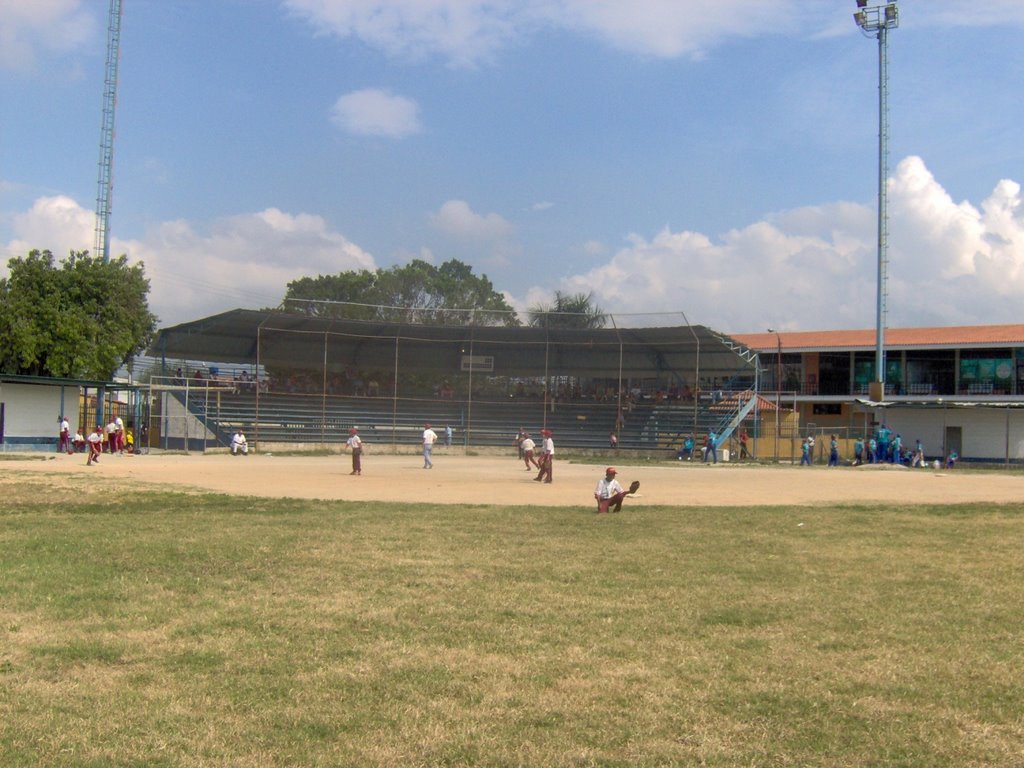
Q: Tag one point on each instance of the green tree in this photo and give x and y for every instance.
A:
(418, 292)
(81, 318)
(576, 310)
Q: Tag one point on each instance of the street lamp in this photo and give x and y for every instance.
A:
(778, 388)
(876, 21)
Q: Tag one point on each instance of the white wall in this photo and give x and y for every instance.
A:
(32, 411)
(985, 431)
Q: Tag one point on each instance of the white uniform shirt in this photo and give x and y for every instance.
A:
(528, 444)
(607, 488)
(239, 441)
(549, 446)
(354, 442)
(429, 436)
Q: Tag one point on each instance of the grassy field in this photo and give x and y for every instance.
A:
(188, 630)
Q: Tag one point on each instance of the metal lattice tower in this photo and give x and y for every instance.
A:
(106, 164)
(876, 21)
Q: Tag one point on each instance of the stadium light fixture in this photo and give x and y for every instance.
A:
(876, 21)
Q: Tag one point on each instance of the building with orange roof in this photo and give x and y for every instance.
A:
(957, 388)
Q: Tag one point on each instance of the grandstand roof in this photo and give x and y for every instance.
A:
(273, 338)
(953, 337)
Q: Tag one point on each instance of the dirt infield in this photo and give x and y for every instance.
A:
(459, 479)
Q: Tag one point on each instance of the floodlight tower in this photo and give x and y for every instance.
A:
(876, 21)
(106, 164)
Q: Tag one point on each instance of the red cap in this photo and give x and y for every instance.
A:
(611, 471)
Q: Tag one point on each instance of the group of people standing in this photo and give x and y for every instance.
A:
(429, 437)
(542, 462)
(114, 438)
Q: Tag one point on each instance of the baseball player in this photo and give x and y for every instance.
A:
(356, 444)
(65, 436)
(609, 493)
(547, 457)
(239, 445)
(527, 447)
(429, 438)
(95, 441)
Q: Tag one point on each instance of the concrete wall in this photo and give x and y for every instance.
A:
(32, 415)
(990, 434)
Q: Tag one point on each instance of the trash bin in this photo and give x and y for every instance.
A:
(725, 454)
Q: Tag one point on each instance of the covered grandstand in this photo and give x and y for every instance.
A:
(295, 379)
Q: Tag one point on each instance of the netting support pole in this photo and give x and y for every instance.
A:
(394, 402)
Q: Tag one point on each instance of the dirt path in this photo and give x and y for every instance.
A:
(488, 480)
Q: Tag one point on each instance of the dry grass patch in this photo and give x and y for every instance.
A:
(173, 629)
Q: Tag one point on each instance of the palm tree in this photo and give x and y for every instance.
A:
(576, 310)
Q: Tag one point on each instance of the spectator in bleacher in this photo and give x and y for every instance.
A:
(686, 449)
(447, 436)
(613, 440)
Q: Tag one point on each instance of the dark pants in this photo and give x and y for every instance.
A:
(546, 460)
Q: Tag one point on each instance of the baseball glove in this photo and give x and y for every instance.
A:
(634, 486)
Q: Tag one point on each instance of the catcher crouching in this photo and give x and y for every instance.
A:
(609, 493)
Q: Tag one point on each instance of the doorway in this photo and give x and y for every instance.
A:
(954, 440)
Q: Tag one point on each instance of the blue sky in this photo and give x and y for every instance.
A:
(716, 158)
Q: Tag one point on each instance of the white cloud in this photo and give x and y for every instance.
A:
(466, 32)
(970, 13)
(28, 29)
(469, 31)
(663, 28)
(458, 220)
(375, 112)
(463, 31)
(58, 224)
(949, 263)
(245, 260)
(963, 262)
(814, 267)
